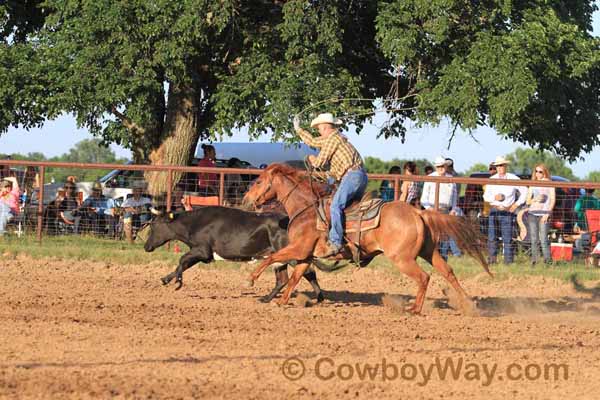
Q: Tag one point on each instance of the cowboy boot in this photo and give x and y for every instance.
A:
(128, 228)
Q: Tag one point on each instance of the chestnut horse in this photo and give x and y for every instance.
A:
(403, 234)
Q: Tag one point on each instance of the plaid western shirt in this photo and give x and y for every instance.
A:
(336, 150)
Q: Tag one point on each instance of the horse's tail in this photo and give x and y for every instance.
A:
(464, 231)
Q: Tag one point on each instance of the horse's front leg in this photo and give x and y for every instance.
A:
(293, 282)
(292, 252)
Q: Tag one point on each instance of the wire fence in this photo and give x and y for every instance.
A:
(117, 205)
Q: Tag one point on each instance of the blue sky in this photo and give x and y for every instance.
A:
(58, 136)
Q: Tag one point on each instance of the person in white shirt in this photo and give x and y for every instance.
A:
(135, 210)
(504, 201)
(446, 201)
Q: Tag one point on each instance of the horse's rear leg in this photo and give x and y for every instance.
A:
(281, 279)
(293, 282)
(413, 271)
(311, 276)
(446, 271)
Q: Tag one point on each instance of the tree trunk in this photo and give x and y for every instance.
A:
(180, 133)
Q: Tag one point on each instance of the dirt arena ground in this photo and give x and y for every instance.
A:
(81, 330)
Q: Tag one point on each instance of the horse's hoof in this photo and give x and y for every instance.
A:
(413, 310)
(265, 299)
(164, 281)
(281, 302)
(320, 298)
(179, 285)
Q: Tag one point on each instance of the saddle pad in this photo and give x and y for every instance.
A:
(359, 217)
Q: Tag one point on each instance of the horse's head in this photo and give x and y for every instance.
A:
(261, 191)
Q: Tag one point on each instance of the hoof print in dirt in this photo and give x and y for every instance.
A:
(303, 300)
(395, 303)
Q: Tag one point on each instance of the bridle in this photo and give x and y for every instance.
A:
(286, 197)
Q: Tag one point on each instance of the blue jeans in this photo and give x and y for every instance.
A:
(505, 220)
(5, 216)
(351, 187)
(136, 220)
(454, 248)
(538, 233)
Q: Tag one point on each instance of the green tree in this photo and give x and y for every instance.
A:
(593, 176)
(156, 75)
(478, 167)
(524, 160)
(529, 69)
(85, 151)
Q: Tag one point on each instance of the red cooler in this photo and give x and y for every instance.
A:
(561, 251)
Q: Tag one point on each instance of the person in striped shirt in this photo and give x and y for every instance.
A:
(345, 167)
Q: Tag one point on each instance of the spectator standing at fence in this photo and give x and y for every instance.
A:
(504, 201)
(447, 198)
(586, 202)
(540, 201)
(9, 201)
(234, 184)
(386, 189)
(207, 181)
(136, 210)
(31, 183)
(450, 169)
(410, 191)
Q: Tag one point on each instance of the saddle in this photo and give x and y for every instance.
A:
(360, 216)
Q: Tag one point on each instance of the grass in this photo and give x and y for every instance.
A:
(106, 250)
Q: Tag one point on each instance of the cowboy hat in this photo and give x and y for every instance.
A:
(326, 118)
(439, 161)
(500, 160)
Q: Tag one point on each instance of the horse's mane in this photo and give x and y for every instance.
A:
(299, 177)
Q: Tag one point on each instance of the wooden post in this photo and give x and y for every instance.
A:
(169, 187)
(40, 212)
(221, 188)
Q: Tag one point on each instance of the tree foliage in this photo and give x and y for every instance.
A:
(524, 160)
(593, 176)
(154, 76)
(375, 165)
(86, 151)
(531, 70)
(477, 167)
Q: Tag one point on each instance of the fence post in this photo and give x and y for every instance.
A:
(169, 186)
(396, 189)
(436, 205)
(40, 212)
(221, 187)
